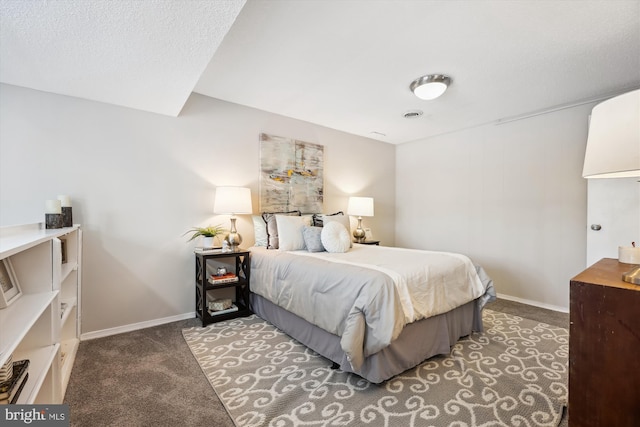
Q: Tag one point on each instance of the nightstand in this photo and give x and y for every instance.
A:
(370, 242)
(238, 261)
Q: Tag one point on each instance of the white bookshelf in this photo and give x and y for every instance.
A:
(36, 326)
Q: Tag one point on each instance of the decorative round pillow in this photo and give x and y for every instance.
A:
(335, 237)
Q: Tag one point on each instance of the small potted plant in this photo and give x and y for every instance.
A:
(208, 234)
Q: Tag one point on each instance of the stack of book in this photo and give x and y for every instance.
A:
(223, 278)
(11, 388)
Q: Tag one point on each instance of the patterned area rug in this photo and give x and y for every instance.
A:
(514, 374)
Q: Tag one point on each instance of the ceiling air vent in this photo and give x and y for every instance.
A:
(412, 114)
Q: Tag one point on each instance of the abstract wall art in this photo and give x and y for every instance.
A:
(291, 175)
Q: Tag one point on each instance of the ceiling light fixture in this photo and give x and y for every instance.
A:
(430, 87)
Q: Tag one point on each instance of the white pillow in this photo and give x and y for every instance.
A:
(290, 232)
(341, 219)
(335, 237)
(259, 230)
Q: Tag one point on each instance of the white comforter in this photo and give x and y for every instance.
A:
(367, 295)
(428, 283)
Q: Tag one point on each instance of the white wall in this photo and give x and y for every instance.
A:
(139, 180)
(614, 204)
(510, 196)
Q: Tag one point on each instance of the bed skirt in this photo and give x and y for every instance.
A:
(418, 341)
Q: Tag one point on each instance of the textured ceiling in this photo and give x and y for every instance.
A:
(348, 65)
(342, 64)
(140, 54)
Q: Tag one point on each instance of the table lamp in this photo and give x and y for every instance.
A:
(360, 206)
(233, 201)
(613, 146)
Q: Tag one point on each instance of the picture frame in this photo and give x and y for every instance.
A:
(368, 235)
(9, 287)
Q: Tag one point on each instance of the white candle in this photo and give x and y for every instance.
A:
(629, 255)
(53, 207)
(65, 201)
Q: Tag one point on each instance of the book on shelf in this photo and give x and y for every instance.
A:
(224, 278)
(10, 389)
(14, 400)
(228, 310)
(207, 251)
(6, 371)
(63, 247)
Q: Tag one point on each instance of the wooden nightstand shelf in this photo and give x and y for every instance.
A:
(238, 261)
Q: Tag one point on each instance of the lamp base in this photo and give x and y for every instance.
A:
(632, 276)
(359, 234)
(234, 238)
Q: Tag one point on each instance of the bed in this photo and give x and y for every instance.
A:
(375, 311)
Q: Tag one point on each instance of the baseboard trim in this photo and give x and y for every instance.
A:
(135, 326)
(534, 303)
(156, 322)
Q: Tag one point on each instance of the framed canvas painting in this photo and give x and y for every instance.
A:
(291, 175)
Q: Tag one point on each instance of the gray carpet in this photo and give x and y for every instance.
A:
(142, 378)
(149, 377)
(513, 374)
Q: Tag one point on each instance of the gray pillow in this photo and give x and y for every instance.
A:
(312, 238)
(273, 242)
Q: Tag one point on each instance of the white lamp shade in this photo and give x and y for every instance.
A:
(613, 145)
(360, 206)
(232, 200)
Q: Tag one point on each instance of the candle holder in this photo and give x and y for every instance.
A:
(53, 214)
(53, 220)
(67, 217)
(65, 203)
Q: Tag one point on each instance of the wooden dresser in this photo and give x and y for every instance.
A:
(604, 347)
